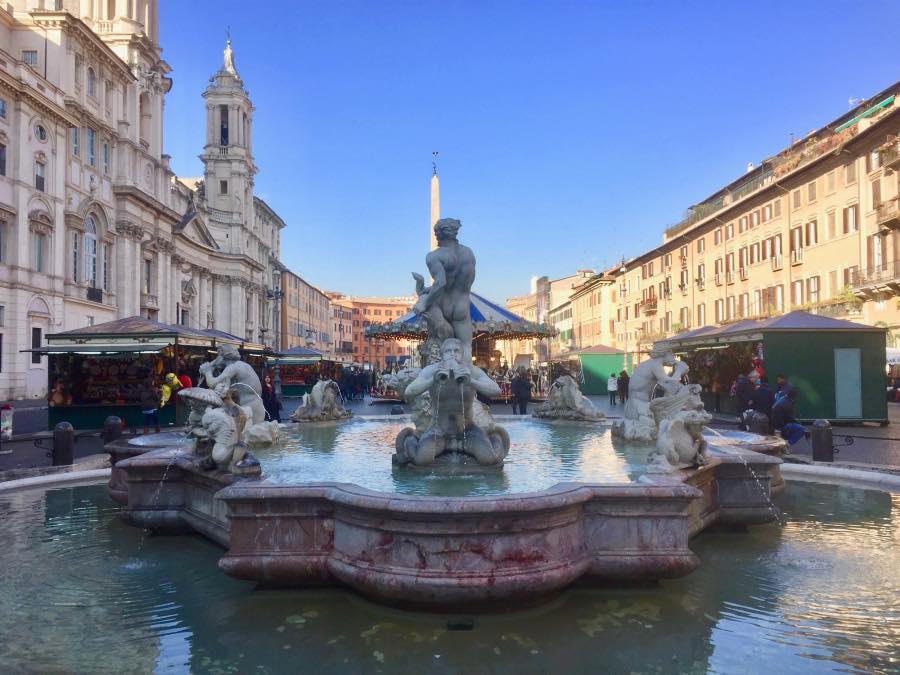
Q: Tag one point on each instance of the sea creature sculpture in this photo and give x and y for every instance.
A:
(566, 402)
(680, 443)
(452, 428)
(323, 404)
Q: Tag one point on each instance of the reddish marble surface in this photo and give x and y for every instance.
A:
(447, 552)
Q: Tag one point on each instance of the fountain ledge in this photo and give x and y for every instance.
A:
(445, 552)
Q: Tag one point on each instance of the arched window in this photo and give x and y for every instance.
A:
(91, 82)
(90, 251)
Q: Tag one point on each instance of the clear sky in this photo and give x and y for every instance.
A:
(570, 133)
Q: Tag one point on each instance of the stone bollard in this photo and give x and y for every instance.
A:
(112, 429)
(63, 444)
(822, 443)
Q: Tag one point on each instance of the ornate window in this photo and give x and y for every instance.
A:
(91, 141)
(40, 172)
(91, 82)
(90, 251)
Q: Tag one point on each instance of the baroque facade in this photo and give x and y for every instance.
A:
(94, 225)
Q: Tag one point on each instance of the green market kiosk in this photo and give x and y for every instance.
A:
(596, 363)
(98, 371)
(837, 367)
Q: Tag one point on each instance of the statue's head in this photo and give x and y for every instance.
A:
(446, 228)
(229, 353)
(451, 348)
(663, 352)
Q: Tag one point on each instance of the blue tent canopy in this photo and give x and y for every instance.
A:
(487, 317)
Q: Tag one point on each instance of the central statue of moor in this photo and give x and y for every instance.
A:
(449, 419)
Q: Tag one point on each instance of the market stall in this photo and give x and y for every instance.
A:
(837, 367)
(101, 370)
(299, 368)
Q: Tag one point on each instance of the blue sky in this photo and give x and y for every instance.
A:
(570, 133)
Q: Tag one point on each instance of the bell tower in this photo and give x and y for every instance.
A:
(228, 153)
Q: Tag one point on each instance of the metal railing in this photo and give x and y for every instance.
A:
(889, 271)
(888, 212)
(777, 261)
(797, 256)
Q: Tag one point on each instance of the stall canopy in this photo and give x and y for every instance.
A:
(753, 329)
(487, 317)
(131, 334)
(296, 356)
(837, 367)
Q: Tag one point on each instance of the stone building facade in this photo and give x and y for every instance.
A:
(815, 227)
(94, 225)
(306, 315)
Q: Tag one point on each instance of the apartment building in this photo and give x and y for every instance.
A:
(342, 325)
(815, 227)
(547, 303)
(376, 353)
(306, 315)
(593, 304)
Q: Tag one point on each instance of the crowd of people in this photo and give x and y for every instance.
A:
(757, 397)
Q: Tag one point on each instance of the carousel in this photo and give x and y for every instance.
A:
(490, 322)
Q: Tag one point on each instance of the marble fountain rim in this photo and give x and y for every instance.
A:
(353, 494)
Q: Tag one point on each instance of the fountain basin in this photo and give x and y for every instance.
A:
(449, 551)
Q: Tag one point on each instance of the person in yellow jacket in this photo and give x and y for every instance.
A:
(169, 387)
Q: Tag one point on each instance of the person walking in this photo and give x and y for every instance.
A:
(520, 387)
(623, 383)
(612, 386)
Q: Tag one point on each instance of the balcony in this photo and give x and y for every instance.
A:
(95, 295)
(744, 273)
(718, 278)
(887, 214)
(777, 262)
(877, 281)
(701, 283)
(729, 277)
(890, 156)
(648, 306)
(683, 288)
(149, 301)
(797, 256)
(845, 309)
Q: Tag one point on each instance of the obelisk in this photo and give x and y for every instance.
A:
(435, 203)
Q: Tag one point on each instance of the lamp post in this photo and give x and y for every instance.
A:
(275, 295)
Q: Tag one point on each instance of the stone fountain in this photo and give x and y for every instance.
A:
(449, 552)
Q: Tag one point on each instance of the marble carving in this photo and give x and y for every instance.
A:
(566, 402)
(323, 404)
(448, 418)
